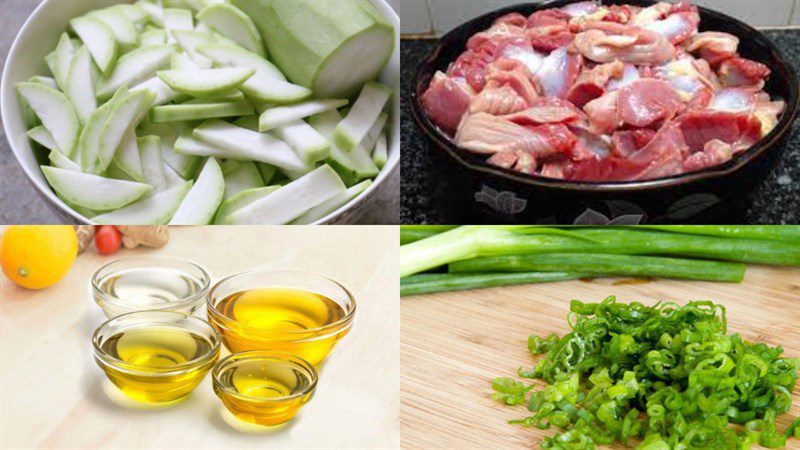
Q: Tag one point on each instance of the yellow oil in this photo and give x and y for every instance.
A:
(280, 319)
(157, 364)
(271, 392)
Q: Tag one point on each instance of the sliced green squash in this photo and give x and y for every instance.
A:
(332, 47)
(93, 191)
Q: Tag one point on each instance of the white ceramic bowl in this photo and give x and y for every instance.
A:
(39, 36)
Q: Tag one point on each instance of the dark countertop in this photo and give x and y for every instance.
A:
(775, 201)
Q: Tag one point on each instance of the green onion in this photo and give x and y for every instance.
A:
(667, 376)
(599, 264)
(440, 282)
(710, 247)
(789, 233)
(413, 233)
(482, 241)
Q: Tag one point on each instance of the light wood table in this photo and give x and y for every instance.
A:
(53, 393)
(454, 344)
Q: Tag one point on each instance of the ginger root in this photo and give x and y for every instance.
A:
(85, 235)
(148, 236)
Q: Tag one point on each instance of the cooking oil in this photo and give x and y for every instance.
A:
(148, 287)
(156, 364)
(264, 388)
(295, 321)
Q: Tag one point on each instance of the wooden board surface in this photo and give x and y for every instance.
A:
(53, 394)
(453, 344)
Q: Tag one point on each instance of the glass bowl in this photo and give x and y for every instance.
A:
(264, 388)
(156, 356)
(292, 311)
(137, 284)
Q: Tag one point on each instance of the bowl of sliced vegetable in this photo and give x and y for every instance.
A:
(205, 111)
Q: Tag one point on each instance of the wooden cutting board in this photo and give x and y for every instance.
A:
(453, 344)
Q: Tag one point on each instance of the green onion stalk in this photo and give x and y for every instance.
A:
(440, 282)
(599, 264)
(483, 241)
(789, 233)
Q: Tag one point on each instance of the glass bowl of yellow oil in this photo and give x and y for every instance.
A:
(285, 310)
(264, 388)
(137, 284)
(156, 356)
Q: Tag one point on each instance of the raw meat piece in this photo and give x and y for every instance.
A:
(605, 42)
(548, 18)
(498, 33)
(483, 49)
(686, 75)
(526, 163)
(733, 100)
(740, 130)
(554, 169)
(652, 13)
(526, 55)
(629, 75)
(647, 101)
(589, 145)
(619, 14)
(549, 40)
(625, 143)
(505, 160)
(591, 83)
(580, 9)
(603, 113)
(768, 112)
(498, 101)
(676, 27)
(519, 161)
(445, 101)
(514, 74)
(714, 154)
(659, 158)
(545, 110)
(663, 155)
(737, 72)
(485, 133)
(713, 46)
(557, 72)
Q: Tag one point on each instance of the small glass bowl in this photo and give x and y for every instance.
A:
(137, 284)
(311, 344)
(264, 388)
(156, 356)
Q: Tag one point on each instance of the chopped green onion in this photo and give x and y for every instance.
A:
(667, 376)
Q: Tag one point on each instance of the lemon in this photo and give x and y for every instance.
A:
(38, 256)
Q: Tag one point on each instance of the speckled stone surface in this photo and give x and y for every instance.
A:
(776, 200)
(21, 204)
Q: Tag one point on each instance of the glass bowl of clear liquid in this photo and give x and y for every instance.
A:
(137, 284)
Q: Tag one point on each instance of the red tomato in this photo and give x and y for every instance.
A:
(108, 239)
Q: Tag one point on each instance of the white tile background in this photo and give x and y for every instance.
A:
(439, 16)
